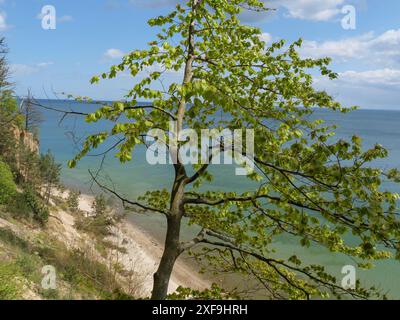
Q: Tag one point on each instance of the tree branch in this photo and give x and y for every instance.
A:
(190, 244)
(273, 263)
(123, 199)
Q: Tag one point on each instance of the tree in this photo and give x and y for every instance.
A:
(309, 186)
(50, 172)
(9, 113)
(4, 69)
(8, 188)
(32, 114)
(73, 200)
(38, 210)
(99, 206)
(9, 118)
(8, 106)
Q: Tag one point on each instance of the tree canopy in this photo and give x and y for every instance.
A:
(4, 69)
(311, 187)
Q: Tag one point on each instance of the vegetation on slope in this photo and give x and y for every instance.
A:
(28, 241)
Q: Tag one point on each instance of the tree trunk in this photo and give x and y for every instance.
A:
(172, 248)
(172, 251)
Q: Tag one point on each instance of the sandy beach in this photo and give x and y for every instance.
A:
(142, 252)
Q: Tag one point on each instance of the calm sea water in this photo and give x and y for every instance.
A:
(136, 177)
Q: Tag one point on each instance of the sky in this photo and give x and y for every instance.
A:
(92, 35)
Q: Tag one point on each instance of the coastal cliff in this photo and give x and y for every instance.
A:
(120, 266)
(26, 139)
(27, 145)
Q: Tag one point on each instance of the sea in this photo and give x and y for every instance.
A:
(64, 137)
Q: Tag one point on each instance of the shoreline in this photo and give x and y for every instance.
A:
(183, 274)
(143, 253)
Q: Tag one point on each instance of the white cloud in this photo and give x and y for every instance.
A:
(113, 54)
(266, 37)
(25, 69)
(155, 3)
(65, 18)
(381, 77)
(376, 89)
(316, 10)
(22, 69)
(384, 48)
(3, 21)
(44, 64)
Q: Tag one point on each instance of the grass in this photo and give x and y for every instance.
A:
(79, 275)
(7, 236)
(10, 287)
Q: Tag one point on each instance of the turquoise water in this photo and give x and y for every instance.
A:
(133, 178)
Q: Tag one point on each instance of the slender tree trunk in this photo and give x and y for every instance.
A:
(171, 253)
(172, 248)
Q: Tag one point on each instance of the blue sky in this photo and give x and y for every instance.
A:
(91, 35)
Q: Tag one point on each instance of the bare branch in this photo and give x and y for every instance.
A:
(190, 244)
(123, 199)
(274, 263)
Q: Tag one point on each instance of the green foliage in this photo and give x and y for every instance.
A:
(35, 204)
(100, 222)
(4, 69)
(19, 208)
(73, 200)
(50, 294)
(8, 188)
(9, 113)
(7, 147)
(29, 265)
(99, 225)
(28, 205)
(10, 288)
(32, 115)
(78, 269)
(9, 237)
(99, 205)
(214, 293)
(117, 294)
(10, 116)
(50, 170)
(309, 186)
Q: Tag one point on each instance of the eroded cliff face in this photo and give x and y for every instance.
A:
(26, 139)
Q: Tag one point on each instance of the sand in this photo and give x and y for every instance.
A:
(143, 252)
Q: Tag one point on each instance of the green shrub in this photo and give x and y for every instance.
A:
(29, 265)
(8, 188)
(98, 226)
(50, 294)
(116, 294)
(18, 207)
(214, 293)
(99, 205)
(38, 208)
(73, 200)
(29, 205)
(10, 289)
(77, 268)
(9, 237)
